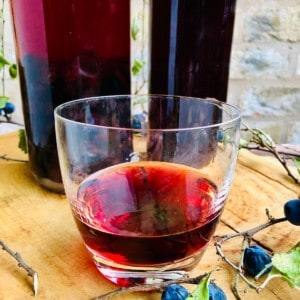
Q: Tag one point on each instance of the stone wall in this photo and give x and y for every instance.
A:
(264, 71)
(265, 66)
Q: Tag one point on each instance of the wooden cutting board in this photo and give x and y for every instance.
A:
(38, 224)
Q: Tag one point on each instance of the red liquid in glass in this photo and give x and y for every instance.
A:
(67, 49)
(191, 45)
(146, 213)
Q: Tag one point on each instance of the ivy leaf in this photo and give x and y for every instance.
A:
(267, 140)
(3, 101)
(287, 266)
(13, 70)
(243, 143)
(202, 291)
(137, 66)
(22, 141)
(264, 139)
(297, 163)
(3, 61)
(134, 28)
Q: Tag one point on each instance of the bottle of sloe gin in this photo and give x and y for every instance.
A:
(189, 56)
(66, 50)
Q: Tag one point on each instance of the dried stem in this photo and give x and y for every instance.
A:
(4, 156)
(247, 234)
(246, 243)
(265, 143)
(22, 264)
(152, 287)
(287, 153)
(12, 122)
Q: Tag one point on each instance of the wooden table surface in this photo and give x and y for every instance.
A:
(38, 224)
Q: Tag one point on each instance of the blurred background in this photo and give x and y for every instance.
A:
(264, 70)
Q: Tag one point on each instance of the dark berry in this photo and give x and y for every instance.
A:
(255, 260)
(174, 292)
(9, 108)
(292, 211)
(220, 135)
(216, 293)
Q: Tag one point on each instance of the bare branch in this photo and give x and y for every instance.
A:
(22, 264)
(247, 237)
(264, 142)
(4, 156)
(152, 287)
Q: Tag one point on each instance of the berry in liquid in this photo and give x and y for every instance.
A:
(146, 213)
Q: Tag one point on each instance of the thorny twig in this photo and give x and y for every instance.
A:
(11, 122)
(152, 287)
(3, 156)
(247, 236)
(264, 142)
(22, 264)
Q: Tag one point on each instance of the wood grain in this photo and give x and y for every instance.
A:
(38, 224)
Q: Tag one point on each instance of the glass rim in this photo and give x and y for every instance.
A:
(235, 112)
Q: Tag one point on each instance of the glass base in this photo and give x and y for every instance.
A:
(125, 276)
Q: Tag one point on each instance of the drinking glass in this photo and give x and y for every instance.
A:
(147, 178)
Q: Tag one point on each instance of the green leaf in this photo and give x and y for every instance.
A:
(22, 141)
(297, 163)
(265, 138)
(137, 66)
(243, 143)
(3, 100)
(3, 62)
(287, 266)
(13, 70)
(202, 291)
(134, 28)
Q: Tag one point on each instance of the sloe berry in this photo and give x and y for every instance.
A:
(215, 292)
(220, 135)
(292, 211)
(174, 292)
(255, 260)
(9, 108)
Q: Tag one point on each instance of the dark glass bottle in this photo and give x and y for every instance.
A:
(66, 49)
(190, 47)
(189, 56)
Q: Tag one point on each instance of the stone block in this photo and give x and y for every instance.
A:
(270, 102)
(274, 24)
(293, 134)
(258, 62)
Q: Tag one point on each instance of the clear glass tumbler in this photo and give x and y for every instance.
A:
(147, 177)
